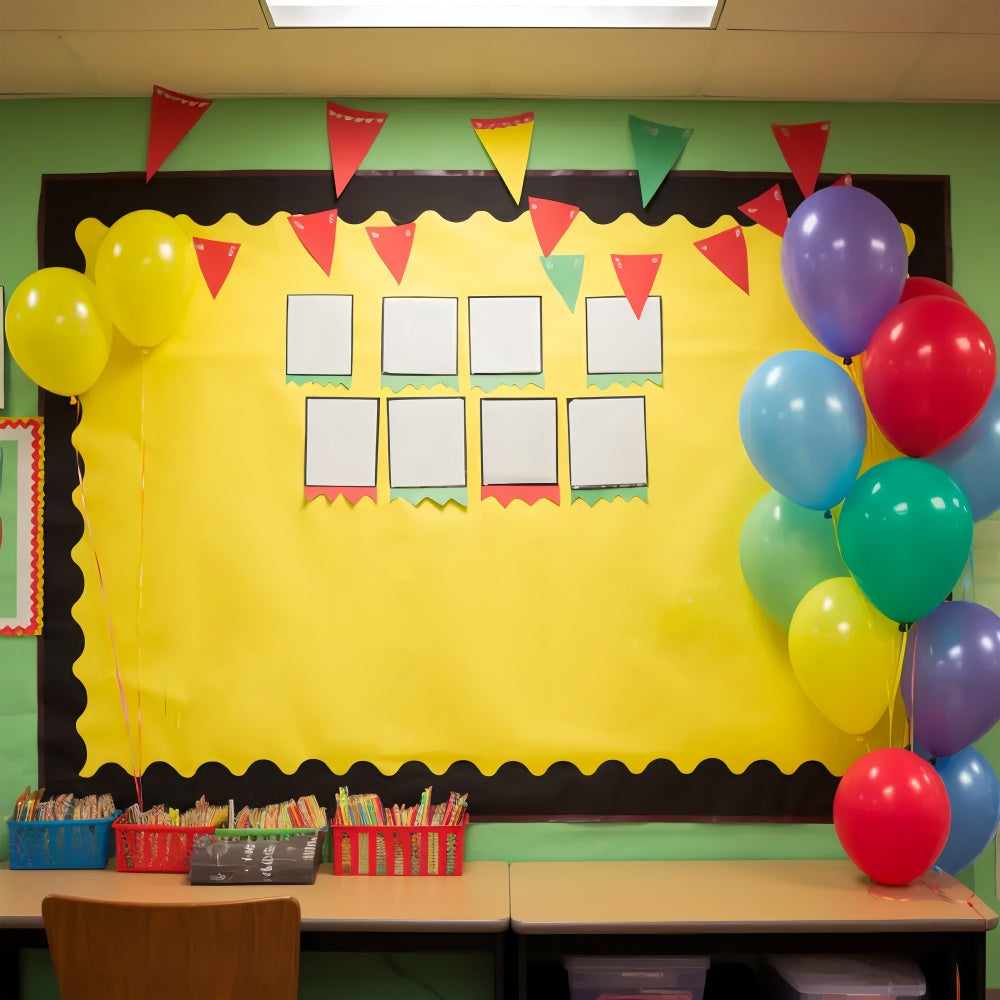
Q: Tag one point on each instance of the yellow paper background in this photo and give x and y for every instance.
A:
(248, 624)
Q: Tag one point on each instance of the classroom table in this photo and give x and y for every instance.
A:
(452, 913)
(740, 908)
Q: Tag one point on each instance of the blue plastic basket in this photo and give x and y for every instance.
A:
(66, 843)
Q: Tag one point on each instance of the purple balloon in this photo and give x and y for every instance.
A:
(951, 676)
(843, 262)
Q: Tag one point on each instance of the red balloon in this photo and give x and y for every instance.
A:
(928, 373)
(892, 815)
(915, 286)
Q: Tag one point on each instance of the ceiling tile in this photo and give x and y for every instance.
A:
(893, 16)
(934, 77)
(129, 15)
(41, 63)
(215, 63)
(811, 67)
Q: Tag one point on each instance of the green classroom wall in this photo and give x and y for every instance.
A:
(95, 136)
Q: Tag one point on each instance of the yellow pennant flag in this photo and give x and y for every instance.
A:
(508, 141)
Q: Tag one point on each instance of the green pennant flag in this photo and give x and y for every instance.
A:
(657, 148)
(565, 271)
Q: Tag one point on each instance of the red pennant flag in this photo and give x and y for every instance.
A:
(846, 181)
(393, 244)
(350, 134)
(636, 273)
(728, 252)
(317, 233)
(803, 147)
(551, 219)
(216, 260)
(768, 210)
(171, 117)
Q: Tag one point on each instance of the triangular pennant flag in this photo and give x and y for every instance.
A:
(803, 147)
(215, 258)
(350, 134)
(171, 117)
(508, 142)
(551, 219)
(636, 273)
(393, 244)
(317, 233)
(565, 272)
(657, 148)
(846, 181)
(728, 252)
(768, 210)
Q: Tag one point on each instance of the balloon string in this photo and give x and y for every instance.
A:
(894, 690)
(107, 614)
(969, 583)
(855, 373)
(142, 546)
(913, 688)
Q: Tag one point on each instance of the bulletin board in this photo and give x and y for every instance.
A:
(566, 635)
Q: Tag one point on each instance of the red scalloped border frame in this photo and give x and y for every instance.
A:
(33, 626)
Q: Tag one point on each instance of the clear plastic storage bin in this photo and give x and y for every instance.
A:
(651, 977)
(836, 977)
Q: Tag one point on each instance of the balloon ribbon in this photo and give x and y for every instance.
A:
(107, 612)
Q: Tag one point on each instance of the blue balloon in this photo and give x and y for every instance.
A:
(843, 263)
(804, 427)
(973, 459)
(974, 793)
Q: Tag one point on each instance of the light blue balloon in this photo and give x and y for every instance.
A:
(804, 427)
(974, 795)
(973, 459)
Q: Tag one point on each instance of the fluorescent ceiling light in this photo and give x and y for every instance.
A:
(484, 14)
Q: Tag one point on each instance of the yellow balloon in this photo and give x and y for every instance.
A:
(145, 273)
(844, 653)
(56, 331)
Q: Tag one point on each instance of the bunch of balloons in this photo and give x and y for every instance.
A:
(848, 588)
(60, 323)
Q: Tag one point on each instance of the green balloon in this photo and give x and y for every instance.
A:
(785, 550)
(905, 533)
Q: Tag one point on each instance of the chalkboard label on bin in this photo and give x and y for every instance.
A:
(293, 860)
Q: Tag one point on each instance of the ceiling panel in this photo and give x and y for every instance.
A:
(592, 65)
(887, 16)
(953, 68)
(788, 50)
(382, 62)
(129, 15)
(40, 63)
(814, 67)
(216, 63)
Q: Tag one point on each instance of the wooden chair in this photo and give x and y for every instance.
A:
(241, 949)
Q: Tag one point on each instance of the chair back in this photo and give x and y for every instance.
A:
(104, 950)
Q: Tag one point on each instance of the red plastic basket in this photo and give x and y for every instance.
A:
(398, 850)
(145, 848)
